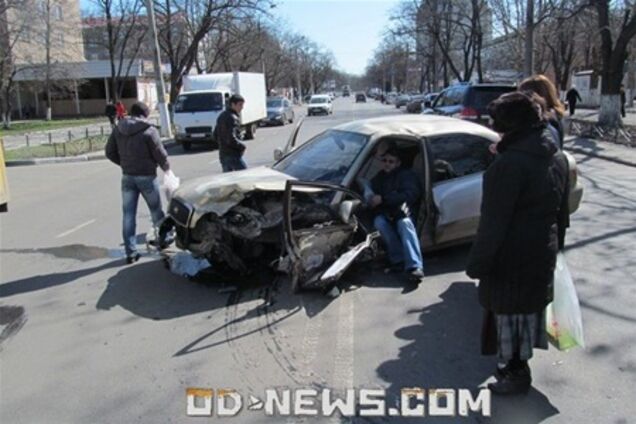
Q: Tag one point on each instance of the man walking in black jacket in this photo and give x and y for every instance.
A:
(135, 146)
(572, 96)
(228, 136)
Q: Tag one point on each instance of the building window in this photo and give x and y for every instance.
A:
(58, 13)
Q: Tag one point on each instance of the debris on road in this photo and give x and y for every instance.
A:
(186, 265)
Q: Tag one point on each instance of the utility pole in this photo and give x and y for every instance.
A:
(166, 128)
(528, 59)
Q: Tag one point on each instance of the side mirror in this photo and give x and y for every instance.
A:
(347, 208)
(278, 154)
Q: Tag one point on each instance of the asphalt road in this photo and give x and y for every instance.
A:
(86, 339)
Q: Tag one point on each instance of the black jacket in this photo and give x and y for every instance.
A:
(572, 95)
(135, 145)
(400, 191)
(110, 110)
(514, 254)
(228, 134)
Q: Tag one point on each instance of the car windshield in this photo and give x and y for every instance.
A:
(325, 158)
(318, 100)
(198, 102)
(274, 103)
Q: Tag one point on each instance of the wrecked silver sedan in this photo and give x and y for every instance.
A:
(305, 215)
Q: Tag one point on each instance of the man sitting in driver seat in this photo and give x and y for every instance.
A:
(396, 196)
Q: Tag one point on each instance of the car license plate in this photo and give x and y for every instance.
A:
(197, 135)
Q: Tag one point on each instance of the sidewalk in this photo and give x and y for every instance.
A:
(601, 149)
(592, 115)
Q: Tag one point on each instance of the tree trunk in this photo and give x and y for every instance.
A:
(610, 114)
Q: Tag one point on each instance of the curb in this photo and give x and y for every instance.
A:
(70, 159)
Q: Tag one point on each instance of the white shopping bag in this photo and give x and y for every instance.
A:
(563, 315)
(170, 183)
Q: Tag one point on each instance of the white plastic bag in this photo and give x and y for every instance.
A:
(563, 315)
(170, 183)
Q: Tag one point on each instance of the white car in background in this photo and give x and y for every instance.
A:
(319, 104)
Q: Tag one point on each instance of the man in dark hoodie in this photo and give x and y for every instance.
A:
(228, 135)
(135, 146)
(397, 192)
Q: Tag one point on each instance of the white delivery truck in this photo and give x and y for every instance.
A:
(203, 97)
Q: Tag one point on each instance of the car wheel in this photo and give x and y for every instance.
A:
(186, 146)
(250, 131)
(291, 118)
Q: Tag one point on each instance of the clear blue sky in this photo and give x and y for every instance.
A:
(351, 29)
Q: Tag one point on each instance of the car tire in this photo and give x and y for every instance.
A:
(187, 146)
(291, 119)
(250, 131)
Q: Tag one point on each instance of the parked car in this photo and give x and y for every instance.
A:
(361, 98)
(402, 100)
(468, 101)
(420, 102)
(279, 111)
(415, 104)
(306, 216)
(319, 104)
(390, 98)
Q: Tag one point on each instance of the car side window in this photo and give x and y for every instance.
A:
(457, 97)
(443, 99)
(458, 155)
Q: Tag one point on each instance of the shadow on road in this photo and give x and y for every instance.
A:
(443, 351)
(150, 291)
(78, 252)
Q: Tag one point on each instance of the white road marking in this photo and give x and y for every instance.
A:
(343, 358)
(72, 230)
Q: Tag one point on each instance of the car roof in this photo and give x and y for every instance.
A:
(416, 125)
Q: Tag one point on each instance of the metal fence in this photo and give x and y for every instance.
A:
(59, 136)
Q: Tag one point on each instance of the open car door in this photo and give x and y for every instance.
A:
(320, 249)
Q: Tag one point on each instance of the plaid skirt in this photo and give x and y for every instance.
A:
(506, 334)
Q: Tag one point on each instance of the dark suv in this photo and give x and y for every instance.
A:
(468, 101)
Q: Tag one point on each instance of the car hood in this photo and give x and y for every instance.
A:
(219, 193)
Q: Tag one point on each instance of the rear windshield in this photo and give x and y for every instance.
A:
(480, 97)
(198, 102)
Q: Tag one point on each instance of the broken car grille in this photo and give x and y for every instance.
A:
(179, 212)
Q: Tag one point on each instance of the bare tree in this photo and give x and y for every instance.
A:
(10, 33)
(614, 49)
(122, 30)
(183, 24)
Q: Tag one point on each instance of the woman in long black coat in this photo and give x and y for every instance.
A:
(514, 254)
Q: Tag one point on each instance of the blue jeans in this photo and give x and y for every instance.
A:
(131, 187)
(232, 163)
(402, 243)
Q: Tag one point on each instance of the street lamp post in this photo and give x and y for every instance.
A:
(166, 130)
